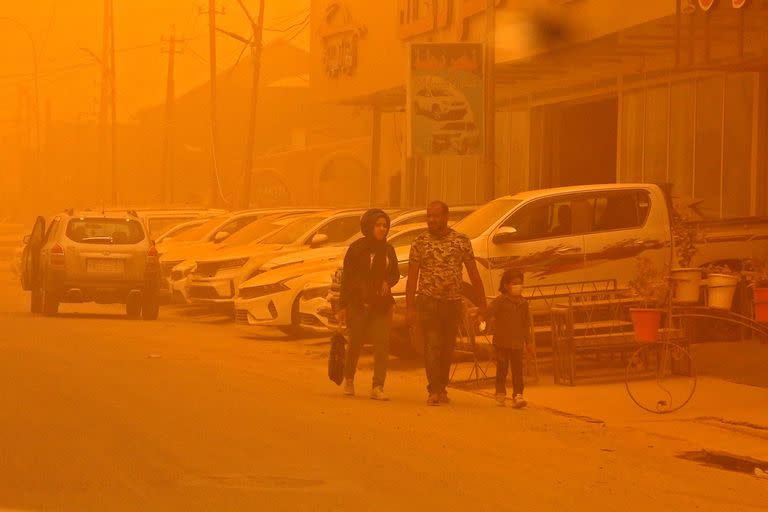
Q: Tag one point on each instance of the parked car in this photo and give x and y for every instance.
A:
(160, 220)
(91, 257)
(178, 231)
(176, 265)
(275, 297)
(216, 279)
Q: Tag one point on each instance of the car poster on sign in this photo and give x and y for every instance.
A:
(445, 98)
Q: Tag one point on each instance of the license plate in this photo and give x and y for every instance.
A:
(102, 265)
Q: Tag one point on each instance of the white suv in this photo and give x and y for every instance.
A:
(105, 258)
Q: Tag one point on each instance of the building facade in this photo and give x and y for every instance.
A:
(586, 91)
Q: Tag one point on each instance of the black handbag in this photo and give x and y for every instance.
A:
(336, 358)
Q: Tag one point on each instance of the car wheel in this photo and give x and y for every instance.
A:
(294, 330)
(150, 306)
(36, 302)
(133, 307)
(50, 301)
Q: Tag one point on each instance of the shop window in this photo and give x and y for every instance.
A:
(655, 139)
(737, 152)
(681, 143)
(632, 116)
(709, 118)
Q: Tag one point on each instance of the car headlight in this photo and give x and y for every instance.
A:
(272, 266)
(233, 263)
(315, 293)
(254, 292)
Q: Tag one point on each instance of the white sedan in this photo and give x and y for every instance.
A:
(293, 297)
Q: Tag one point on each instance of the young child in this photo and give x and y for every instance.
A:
(508, 314)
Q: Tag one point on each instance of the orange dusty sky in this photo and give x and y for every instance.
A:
(70, 77)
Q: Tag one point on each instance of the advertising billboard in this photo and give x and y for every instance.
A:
(446, 98)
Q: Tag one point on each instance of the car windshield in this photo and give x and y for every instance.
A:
(256, 231)
(178, 231)
(293, 231)
(105, 231)
(198, 232)
(163, 224)
(478, 222)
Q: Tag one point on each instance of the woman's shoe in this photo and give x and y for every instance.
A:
(501, 399)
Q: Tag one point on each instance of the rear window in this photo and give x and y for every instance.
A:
(105, 231)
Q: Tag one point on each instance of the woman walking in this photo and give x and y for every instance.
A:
(370, 271)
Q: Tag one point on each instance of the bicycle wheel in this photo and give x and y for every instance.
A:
(660, 377)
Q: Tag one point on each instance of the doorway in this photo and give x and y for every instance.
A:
(578, 143)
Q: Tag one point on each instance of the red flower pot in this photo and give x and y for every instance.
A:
(761, 304)
(646, 322)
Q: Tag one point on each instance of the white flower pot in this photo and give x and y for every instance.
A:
(720, 290)
(687, 284)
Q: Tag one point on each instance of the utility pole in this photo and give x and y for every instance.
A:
(113, 102)
(107, 105)
(255, 42)
(214, 173)
(40, 174)
(490, 99)
(170, 119)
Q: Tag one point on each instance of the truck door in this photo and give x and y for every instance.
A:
(620, 233)
(544, 240)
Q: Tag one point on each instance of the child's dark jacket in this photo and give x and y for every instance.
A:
(509, 321)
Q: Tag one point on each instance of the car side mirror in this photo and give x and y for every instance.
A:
(220, 237)
(504, 235)
(27, 239)
(318, 240)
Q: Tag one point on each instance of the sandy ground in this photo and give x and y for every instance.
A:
(101, 413)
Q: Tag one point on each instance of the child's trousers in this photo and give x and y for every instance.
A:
(509, 359)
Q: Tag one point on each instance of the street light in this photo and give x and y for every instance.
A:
(36, 80)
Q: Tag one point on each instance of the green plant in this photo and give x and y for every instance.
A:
(650, 283)
(721, 268)
(685, 236)
(756, 273)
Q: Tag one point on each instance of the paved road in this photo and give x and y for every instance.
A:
(101, 413)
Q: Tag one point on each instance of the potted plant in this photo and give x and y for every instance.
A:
(756, 273)
(721, 285)
(652, 288)
(685, 237)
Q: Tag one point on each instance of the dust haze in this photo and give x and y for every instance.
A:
(225, 224)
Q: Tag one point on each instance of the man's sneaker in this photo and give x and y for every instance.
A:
(433, 399)
(349, 387)
(501, 399)
(519, 401)
(377, 393)
(443, 398)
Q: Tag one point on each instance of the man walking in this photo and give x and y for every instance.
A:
(435, 272)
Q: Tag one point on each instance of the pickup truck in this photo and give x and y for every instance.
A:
(562, 238)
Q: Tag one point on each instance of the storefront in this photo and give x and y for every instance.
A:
(584, 94)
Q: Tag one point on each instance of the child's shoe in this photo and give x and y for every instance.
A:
(519, 401)
(501, 399)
